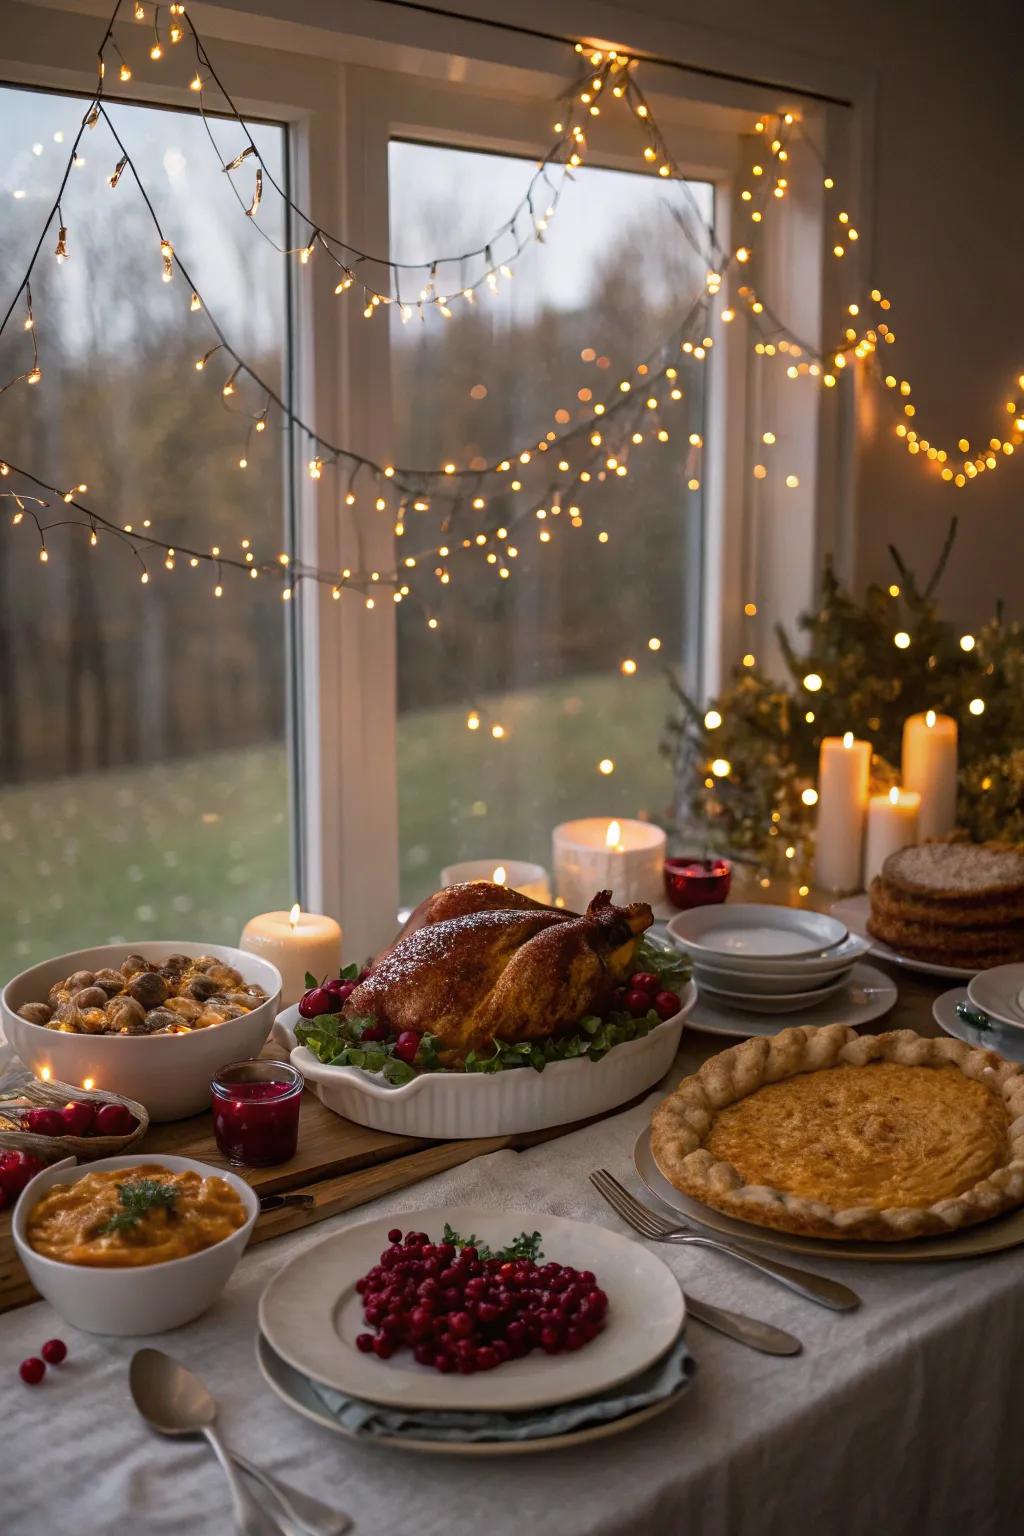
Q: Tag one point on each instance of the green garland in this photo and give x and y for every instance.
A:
(770, 731)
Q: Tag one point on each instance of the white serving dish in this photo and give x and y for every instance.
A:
(755, 931)
(763, 1002)
(766, 983)
(147, 1298)
(170, 1074)
(999, 992)
(447, 1106)
(311, 1315)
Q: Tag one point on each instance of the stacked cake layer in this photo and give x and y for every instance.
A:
(958, 904)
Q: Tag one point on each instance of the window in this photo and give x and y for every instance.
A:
(542, 695)
(143, 767)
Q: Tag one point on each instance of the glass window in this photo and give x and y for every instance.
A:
(542, 695)
(143, 767)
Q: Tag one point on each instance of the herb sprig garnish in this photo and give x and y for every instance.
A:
(136, 1199)
(525, 1246)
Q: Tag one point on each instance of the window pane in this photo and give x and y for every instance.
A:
(143, 770)
(567, 656)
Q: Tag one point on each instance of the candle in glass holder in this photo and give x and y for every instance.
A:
(597, 853)
(296, 942)
(256, 1112)
(929, 766)
(527, 879)
(844, 769)
(892, 824)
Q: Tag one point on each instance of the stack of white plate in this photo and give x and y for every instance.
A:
(767, 959)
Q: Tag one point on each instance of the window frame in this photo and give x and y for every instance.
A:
(323, 84)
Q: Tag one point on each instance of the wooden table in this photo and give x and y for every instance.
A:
(340, 1165)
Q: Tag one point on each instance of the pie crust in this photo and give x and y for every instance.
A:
(826, 1133)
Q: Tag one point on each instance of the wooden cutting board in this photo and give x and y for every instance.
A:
(338, 1163)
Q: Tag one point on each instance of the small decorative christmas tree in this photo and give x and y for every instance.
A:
(746, 767)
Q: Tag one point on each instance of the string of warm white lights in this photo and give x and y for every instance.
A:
(603, 452)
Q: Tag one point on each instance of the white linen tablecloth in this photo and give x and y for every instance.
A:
(902, 1417)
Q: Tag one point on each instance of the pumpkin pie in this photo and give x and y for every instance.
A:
(824, 1133)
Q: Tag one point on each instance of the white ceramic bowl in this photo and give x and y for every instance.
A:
(745, 934)
(447, 1106)
(814, 971)
(170, 1074)
(147, 1298)
(767, 1002)
(766, 983)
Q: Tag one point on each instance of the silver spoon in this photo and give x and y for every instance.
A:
(175, 1402)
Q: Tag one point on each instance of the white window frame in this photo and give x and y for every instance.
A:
(344, 86)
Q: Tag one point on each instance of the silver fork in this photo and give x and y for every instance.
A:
(827, 1293)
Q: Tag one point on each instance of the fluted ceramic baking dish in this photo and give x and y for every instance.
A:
(447, 1106)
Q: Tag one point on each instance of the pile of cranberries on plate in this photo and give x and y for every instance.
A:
(458, 1306)
(79, 1117)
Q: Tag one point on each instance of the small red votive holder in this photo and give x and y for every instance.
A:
(256, 1112)
(692, 882)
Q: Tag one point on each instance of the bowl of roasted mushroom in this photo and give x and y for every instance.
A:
(152, 1021)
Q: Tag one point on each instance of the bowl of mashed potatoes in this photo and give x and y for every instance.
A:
(135, 1244)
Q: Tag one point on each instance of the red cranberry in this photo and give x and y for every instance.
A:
(486, 1358)
(364, 1343)
(406, 1046)
(79, 1117)
(383, 1348)
(16, 1169)
(317, 1001)
(461, 1324)
(54, 1351)
(644, 981)
(637, 1003)
(32, 1371)
(667, 1005)
(46, 1122)
(339, 988)
(395, 1235)
(114, 1120)
(443, 1362)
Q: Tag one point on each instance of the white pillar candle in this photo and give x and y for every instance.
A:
(296, 942)
(929, 766)
(599, 853)
(517, 874)
(844, 772)
(892, 824)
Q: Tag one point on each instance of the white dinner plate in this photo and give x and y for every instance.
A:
(998, 992)
(297, 1391)
(769, 1002)
(1006, 1041)
(755, 931)
(867, 995)
(854, 911)
(986, 1237)
(311, 1314)
(787, 974)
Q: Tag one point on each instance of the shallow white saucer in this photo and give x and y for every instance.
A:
(311, 1315)
(998, 992)
(867, 995)
(789, 973)
(854, 911)
(755, 931)
(1003, 1039)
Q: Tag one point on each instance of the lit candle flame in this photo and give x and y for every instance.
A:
(45, 1074)
(894, 796)
(613, 836)
(848, 740)
(88, 1083)
(929, 718)
(500, 876)
(294, 914)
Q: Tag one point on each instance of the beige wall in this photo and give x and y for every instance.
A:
(948, 246)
